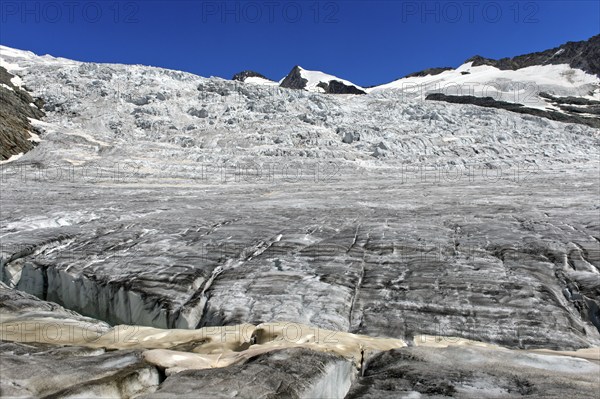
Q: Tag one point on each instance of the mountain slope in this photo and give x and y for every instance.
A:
(16, 107)
(319, 82)
(584, 55)
(561, 83)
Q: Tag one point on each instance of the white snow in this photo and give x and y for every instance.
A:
(260, 81)
(316, 77)
(16, 53)
(520, 86)
(12, 158)
(561, 75)
(35, 138)
(277, 125)
(7, 87)
(14, 60)
(16, 81)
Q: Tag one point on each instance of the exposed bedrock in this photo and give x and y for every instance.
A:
(16, 106)
(571, 116)
(583, 55)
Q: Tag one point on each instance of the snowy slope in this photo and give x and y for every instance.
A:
(520, 86)
(314, 78)
(257, 80)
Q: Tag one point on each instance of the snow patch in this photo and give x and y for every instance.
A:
(316, 77)
(16, 81)
(521, 86)
(260, 81)
(12, 158)
(7, 87)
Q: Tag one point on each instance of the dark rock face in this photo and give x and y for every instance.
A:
(573, 105)
(337, 87)
(241, 76)
(521, 109)
(14, 111)
(584, 55)
(294, 80)
(569, 100)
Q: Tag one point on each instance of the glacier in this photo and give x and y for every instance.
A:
(157, 201)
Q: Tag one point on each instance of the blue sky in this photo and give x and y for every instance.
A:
(367, 42)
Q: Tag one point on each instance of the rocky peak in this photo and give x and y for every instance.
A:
(294, 79)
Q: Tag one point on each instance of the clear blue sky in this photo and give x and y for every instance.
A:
(367, 42)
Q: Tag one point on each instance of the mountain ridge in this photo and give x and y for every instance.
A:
(583, 55)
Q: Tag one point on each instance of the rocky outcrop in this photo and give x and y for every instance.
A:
(16, 105)
(569, 100)
(571, 115)
(337, 87)
(574, 105)
(584, 55)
